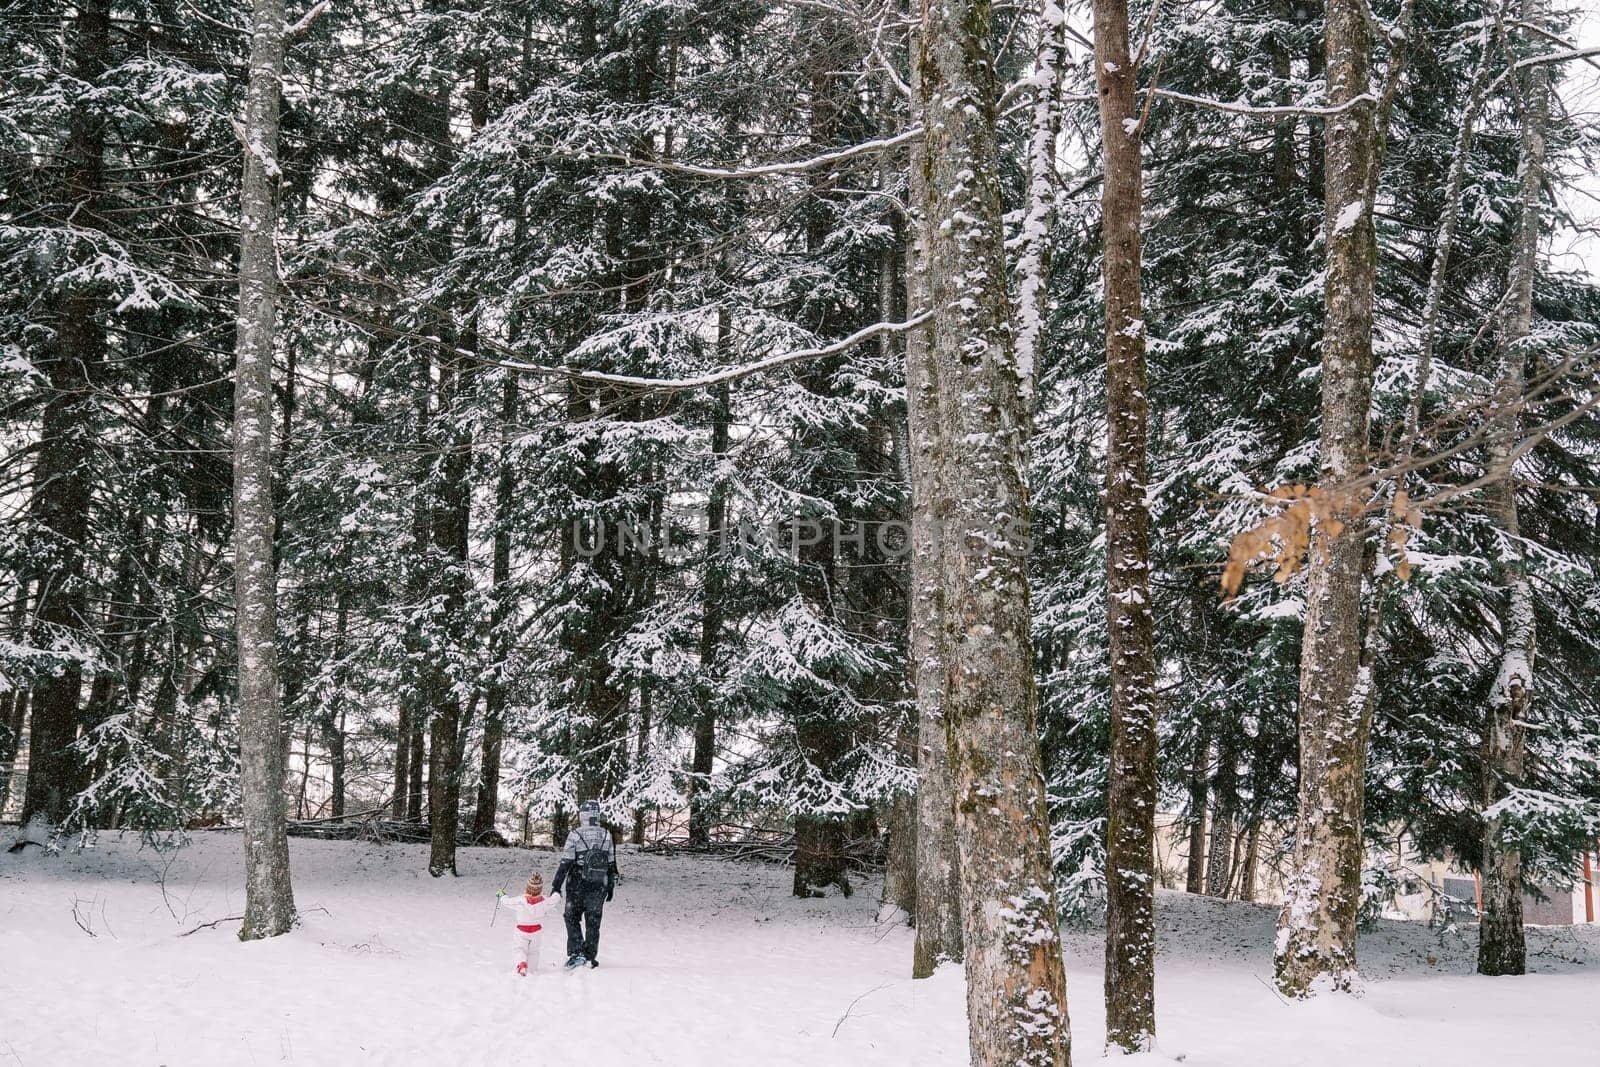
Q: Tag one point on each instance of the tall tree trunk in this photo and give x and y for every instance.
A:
(899, 900)
(1195, 876)
(1317, 928)
(1224, 805)
(1449, 219)
(900, 858)
(13, 704)
(495, 698)
(402, 758)
(61, 477)
(641, 750)
(938, 914)
(408, 756)
(703, 758)
(1131, 805)
(1016, 986)
(451, 541)
(269, 900)
(1252, 860)
(1033, 256)
(334, 722)
(1502, 947)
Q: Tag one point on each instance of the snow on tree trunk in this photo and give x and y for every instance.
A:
(1131, 804)
(1033, 256)
(938, 913)
(1016, 987)
(1502, 948)
(1317, 928)
(1449, 219)
(269, 900)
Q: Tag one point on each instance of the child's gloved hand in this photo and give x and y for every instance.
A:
(499, 893)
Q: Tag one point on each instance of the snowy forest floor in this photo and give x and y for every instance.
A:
(703, 962)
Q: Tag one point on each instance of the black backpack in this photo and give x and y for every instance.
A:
(594, 862)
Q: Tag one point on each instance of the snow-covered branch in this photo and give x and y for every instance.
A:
(727, 374)
(315, 12)
(1266, 112)
(1558, 57)
(764, 170)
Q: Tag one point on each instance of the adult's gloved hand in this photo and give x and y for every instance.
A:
(611, 891)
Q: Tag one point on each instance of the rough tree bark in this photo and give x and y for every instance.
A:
(703, 758)
(13, 703)
(269, 900)
(494, 702)
(451, 515)
(1502, 947)
(1131, 804)
(1016, 987)
(408, 758)
(450, 525)
(899, 900)
(1195, 874)
(1224, 806)
(1033, 253)
(1317, 928)
(938, 911)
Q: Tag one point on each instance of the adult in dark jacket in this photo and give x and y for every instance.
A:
(586, 879)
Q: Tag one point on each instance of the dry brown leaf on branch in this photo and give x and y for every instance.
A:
(1284, 538)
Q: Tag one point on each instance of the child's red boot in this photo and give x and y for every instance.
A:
(522, 969)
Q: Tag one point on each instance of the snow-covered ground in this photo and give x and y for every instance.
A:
(103, 960)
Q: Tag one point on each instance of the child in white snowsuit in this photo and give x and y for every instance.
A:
(529, 909)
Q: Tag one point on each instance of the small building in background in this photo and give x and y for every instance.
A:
(1418, 889)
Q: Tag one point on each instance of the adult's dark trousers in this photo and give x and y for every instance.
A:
(585, 903)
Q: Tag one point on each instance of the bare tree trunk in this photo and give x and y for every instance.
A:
(900, 860)
(451, 541)
(1131, 804)
(1033, 257)
(1502, 947)
(1016, 986)
(642, 750)
(61, 478)
(495, 698)
(703, 758)
(269, 898)
(408, 758)
(899, 900)
(938, 900)
(1317, 928)
(1224, 805)
(1195, 877)
(1449, 219)
(402, 757)
(13, 704)
(1252, 861)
